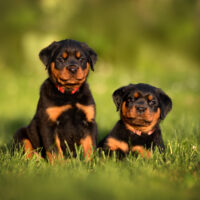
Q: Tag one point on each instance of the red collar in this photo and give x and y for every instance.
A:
(137, 132)
(62, 89)
(140, 132)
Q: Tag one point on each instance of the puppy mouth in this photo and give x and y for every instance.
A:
(68, 79)
(69, 82)
(138, 122)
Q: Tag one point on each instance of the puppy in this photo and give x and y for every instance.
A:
(66, 109)
(142, 107)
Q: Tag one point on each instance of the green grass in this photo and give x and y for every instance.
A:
(137, 41)
(175, 177)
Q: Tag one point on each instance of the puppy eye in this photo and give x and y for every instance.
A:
(81, 59)
(78, 55)
(152, 102)
(60, 59)
(130, 99)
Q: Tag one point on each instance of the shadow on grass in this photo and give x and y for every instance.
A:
(8, 127)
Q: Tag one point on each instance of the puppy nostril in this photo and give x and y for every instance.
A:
(140, 109)
(73, 68)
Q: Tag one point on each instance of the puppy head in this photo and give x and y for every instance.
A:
(68, 62)
(142, 106)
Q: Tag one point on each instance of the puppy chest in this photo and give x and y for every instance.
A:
(143, 140)
(73, 124)
(71, 113)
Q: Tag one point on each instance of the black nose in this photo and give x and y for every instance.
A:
(72, 68)
(140, 109)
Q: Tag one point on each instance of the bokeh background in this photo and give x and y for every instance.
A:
(151, 41)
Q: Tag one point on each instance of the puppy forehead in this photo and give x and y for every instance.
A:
(70, 45)
(140, 92)
(145, 87)
(71, 49)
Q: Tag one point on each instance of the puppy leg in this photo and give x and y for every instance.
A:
(21, 138)
(89, 142)
(158, 141)
(115, 144)
(87, 145)
(48, 140)
(142, 151)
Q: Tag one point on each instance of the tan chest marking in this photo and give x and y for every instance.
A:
(115, 144)
(88, 110)
(55, 111)
(142, 151)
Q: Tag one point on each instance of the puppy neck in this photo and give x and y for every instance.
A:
(138, 131)
(64, 90)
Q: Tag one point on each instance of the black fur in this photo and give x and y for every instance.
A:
(72, 124)
(122, 134)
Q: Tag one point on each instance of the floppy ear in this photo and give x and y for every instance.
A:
(119, 94)
(92, 56)
(46, 53)
(165, 103)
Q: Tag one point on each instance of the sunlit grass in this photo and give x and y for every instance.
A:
(171, 176)
(137, 41)
(174, 175)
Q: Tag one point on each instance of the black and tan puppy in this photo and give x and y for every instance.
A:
(66, 108)
(142, 107)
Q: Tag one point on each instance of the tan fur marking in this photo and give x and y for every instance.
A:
(115, 144)
(156, 116)
(28, 148)
(87, 146)
(132, 129)
(142, 151)
(51, 157)
(150, 97)
(60, 152)
(81, 74)
(124, 112)
(64, 55)
(153, 117)
(63, 77)
(88, 110)
(136, 95)
(59, 75)
(55, 111)
(78, 54)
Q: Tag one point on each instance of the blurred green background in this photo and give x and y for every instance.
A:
(150, 41)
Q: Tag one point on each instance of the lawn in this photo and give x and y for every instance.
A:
(175, 177)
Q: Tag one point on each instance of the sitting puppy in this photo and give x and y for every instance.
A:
(66, 108)
(142, 107)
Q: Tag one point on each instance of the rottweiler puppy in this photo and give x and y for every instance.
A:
(142, 107)
(66, 109)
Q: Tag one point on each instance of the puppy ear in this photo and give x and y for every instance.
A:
(46, 53)
(119, 94)
(165, 103)
(92, 56)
